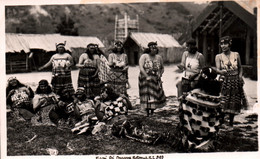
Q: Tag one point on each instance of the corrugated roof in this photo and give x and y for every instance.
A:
(18, 42)
(163, 40)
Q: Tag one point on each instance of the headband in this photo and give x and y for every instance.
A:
(61, 44)
(43, 82)
(152, 44)
(11, 78)
(80, 90)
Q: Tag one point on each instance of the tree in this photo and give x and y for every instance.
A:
(66, 26)
(27, 25)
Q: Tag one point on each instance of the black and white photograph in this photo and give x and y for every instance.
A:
(129, 80)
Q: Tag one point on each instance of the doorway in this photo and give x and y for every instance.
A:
(239, 45)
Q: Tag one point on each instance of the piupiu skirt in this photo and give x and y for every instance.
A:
(151, 93)
(61, 79)
(91, 84)
(234, 98)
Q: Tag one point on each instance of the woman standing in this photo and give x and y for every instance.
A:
(118, 62)
(18, 98)
(191, 63)
(228, 64)
(61, 69)
(88, 74)
(150, 84)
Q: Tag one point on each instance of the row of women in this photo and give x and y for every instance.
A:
(101, 89)
(67, 109)
(206, 93)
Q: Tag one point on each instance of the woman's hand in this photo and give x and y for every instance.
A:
(148, 78)
(223, 72)
(79, 65)
(181, 67)
(95, 75)
(27, 90)
(125, 68)
(75, 100)
(40, 68)
(42, 102)
(160, 74)
(61, 103)
(10, 93)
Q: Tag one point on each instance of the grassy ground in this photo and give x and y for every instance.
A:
(25, 139)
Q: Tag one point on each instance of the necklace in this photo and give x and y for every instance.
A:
(227, 55)
(152, 58)
(189, 59)
(118, 57)
(229, 62)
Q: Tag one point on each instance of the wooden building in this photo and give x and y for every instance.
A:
(170, 50)
(233, 18)
(16, 56)
(26, 52)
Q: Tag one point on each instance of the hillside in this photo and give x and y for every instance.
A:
(99, 19)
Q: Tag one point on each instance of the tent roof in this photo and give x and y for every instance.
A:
(163, 40)
(18, 42)
(14, 43)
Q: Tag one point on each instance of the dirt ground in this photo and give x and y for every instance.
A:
(244, 136)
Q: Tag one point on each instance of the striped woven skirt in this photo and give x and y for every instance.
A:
(200, 116)
(91, 84)
(234, 98)
(151, 93)
(61, 79)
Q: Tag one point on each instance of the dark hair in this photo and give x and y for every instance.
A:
(63, 97)
(81, 91)
(112, 95)
(19, 85)
(152, 43)
(148, 50)
(84, 96)
(191, 42)
(99, 51)
(118, 42)
(226, 39)
(63, 48)
(114, 50)
(207, 81)
(90, 55)
(10, 87)
(192, 45)
(91, 44)
(43, 82)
